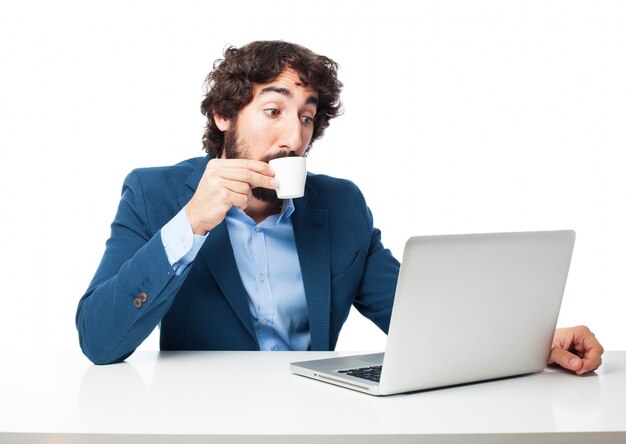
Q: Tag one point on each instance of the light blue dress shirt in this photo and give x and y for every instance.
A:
(267, 260)
(181, 245)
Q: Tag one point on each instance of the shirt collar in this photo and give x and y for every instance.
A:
(287, 210)
(285, 213)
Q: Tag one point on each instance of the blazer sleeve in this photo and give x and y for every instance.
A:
(377, 288)
(133, 287)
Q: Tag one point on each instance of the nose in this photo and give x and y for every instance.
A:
(291, 134)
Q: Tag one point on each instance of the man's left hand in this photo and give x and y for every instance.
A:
(576, 349)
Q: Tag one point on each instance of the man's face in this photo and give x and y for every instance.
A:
(278, 122)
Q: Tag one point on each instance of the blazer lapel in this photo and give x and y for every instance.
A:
(217, 253)
(310, 226)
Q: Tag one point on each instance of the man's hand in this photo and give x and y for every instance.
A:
(576, 349)
(226, 182)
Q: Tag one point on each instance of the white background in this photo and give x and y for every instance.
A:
(460, 116)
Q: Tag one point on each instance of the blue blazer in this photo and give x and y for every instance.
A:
(342, 259)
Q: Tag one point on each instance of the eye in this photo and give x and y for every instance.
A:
(306, 120)
(272, 112)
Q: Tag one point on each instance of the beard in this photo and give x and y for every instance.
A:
(239, 149)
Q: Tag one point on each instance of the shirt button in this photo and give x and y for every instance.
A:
(264, 322)
(137, 302)
(262, 277)
(257, 229)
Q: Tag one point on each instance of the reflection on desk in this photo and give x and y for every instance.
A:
(252, 396)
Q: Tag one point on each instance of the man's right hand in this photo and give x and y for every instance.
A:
(226, 182)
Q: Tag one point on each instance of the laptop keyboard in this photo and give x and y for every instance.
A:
(370, 373)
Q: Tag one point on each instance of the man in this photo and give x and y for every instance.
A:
(206, 249)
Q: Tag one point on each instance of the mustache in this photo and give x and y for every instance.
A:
(279, 154)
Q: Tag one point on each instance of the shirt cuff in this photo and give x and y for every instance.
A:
(181, 245)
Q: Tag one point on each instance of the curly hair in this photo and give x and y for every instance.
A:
(229, 86)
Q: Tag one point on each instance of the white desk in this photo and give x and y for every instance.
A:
(227, 397)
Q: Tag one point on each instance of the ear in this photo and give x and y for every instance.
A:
(222, 123)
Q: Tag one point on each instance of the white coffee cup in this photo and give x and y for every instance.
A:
(291, 176)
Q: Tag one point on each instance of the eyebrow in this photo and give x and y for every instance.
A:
(311, 100)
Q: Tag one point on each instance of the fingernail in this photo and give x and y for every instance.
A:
(274, 183)
(574, 362)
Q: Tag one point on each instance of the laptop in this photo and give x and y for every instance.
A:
(467, 308)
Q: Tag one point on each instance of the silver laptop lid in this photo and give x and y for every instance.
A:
(475, 307)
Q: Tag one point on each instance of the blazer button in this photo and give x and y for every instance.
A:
(143, 297)
(137, 302)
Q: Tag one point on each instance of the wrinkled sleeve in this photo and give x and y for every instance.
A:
(133, 287)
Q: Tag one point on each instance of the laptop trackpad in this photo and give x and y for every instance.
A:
(368, 360)
(357, 361)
